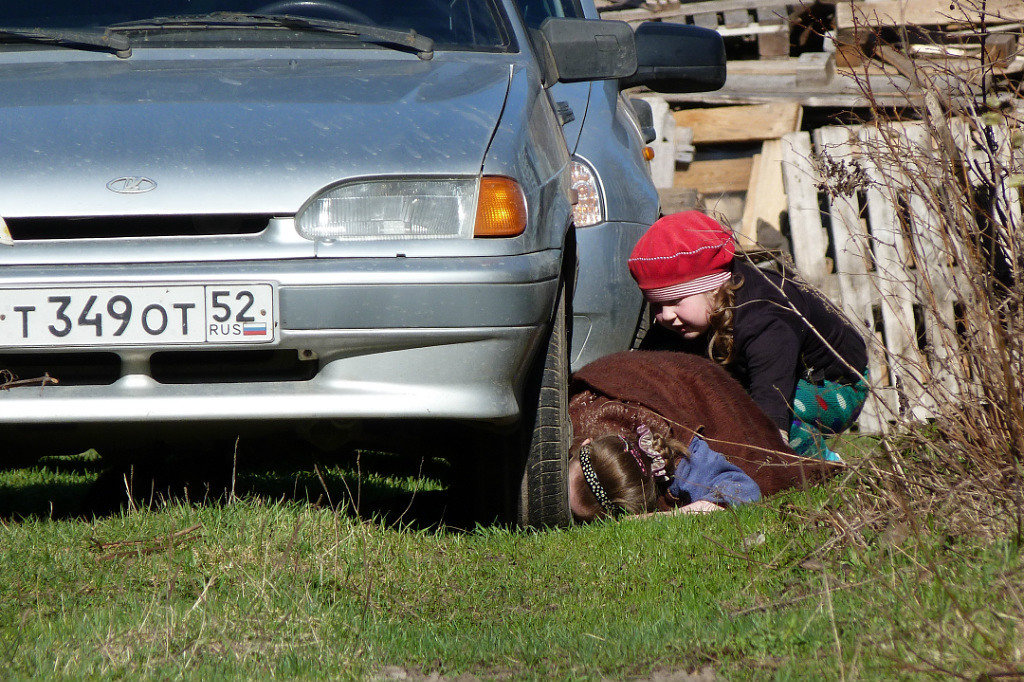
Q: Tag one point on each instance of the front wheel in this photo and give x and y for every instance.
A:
(547, 432)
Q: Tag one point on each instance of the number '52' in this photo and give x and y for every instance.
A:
(216, 297)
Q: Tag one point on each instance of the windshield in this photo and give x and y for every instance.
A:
(452, 24)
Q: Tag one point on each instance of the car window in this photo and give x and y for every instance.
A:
(536, 11)
(473, 24)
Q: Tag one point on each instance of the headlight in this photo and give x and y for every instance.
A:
(392, 209)
(588, 210)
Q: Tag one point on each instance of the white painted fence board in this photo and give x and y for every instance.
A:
(663, 165)
(1010, 222)
(809, 241)
(897, 288)
(909, 262)
(936, 290)
(858, 294)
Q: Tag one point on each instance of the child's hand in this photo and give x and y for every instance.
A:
(699, 507)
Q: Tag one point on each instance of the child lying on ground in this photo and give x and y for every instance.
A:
(669, 398)
(653, 474)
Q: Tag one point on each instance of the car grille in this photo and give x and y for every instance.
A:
(69, 369)
(167, 367)
(204, 367)
(113, 227)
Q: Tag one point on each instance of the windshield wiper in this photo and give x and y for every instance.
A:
(421, 44)
(82, 40)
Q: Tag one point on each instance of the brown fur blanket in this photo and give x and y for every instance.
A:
(678, 394)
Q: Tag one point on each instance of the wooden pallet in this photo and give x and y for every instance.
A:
(891, 272)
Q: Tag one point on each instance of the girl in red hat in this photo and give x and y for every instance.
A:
(798, 356)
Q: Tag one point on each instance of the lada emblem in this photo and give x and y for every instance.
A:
(131, 184)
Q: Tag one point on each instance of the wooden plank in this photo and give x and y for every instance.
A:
(809, 240)
(753, 81)
(663, 165)
(736, 18)
(858, 293)
(983, 166)
(859, 15)
(706, 20)
(775, 44)
(746, 237)
(936, 293)
(772, 16)
(815, 69)
(717, 175)
(766, 196)
(676, 199)
(741, 124)
(907, 366)
(751, 29)
(1012, 228)
(693, 8)
(849, 235)
(1008, 214)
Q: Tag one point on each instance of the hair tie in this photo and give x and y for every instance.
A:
(659, 465)
(640, 462)
(590, 476)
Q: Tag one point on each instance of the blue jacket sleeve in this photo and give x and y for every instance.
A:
(707, 475)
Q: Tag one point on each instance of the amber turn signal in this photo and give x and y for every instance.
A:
(648, 153)
(500, 209)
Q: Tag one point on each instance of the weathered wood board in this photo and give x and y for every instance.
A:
(766, 193)
(741, 124)
(680, 12)
(858, 296)
(717, 175)
(809, 239)
(853, 15)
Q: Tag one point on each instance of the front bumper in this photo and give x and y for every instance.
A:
(393, 338)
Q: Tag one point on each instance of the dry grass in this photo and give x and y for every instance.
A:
(949, 470)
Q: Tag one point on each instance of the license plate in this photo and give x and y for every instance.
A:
(143, 315)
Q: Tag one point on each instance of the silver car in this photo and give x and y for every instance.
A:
(238, 211)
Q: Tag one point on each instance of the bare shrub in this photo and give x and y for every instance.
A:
(952, 169)
(949, 468)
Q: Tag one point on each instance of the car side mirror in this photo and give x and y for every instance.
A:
(678, 58)
(584, 50)
(645, 116)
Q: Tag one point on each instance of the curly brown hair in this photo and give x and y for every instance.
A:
(720, 321)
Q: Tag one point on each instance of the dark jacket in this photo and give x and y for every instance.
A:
(783, 332)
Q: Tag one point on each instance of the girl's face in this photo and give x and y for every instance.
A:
(687, 316)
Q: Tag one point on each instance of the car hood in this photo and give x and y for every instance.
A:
(243, 136)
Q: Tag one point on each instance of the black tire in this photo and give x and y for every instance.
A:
(547, 432)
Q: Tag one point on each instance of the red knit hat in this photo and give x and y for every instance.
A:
(680, 255)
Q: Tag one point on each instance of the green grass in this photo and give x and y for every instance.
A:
(284, 582)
